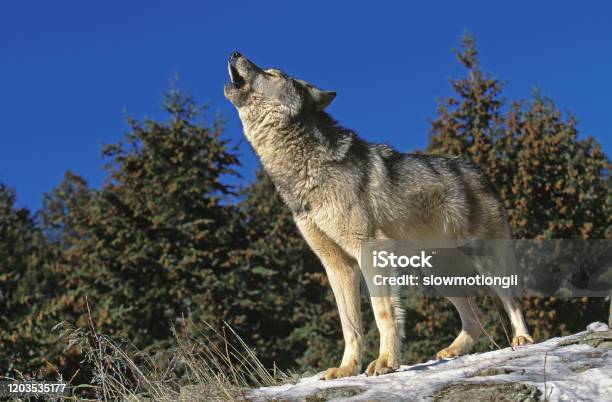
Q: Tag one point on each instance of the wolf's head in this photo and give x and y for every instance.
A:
(255, 91)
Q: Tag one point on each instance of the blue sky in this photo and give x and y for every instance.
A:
(70, 71)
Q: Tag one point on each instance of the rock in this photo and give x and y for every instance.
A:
(596, 354)
(582, 367)
(575, 367)
(600, 339)
(488, 392)
(491, 371)
(597, 326)
(333, 393)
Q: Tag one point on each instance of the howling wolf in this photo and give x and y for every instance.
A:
(343, 191)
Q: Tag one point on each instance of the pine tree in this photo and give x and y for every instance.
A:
(154, 246)
(29, 287)
(553, 184)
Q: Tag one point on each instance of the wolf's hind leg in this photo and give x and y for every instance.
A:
(521, 334)
(506, 263)
(470, 316)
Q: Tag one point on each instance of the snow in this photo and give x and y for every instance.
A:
(597, 326)
(576, 372)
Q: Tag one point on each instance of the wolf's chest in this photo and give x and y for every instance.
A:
(341, 221)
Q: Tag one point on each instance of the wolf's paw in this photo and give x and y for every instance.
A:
(340, 372)
(521, 340)
(447, 353)
(380, 366)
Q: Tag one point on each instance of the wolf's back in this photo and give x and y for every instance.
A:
(433, 189)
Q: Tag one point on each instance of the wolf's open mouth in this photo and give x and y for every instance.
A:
(235, 77)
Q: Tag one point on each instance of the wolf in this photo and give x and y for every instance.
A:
(343, 191)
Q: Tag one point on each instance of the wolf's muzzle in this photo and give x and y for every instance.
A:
(235, 77)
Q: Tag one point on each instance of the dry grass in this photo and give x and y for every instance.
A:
(207, 365)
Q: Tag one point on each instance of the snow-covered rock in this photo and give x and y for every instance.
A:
(572, 368)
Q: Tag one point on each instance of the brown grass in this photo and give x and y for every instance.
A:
(207, 365)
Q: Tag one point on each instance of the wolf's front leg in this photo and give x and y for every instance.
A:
(344, 281)
(386, 312)
(344, 277)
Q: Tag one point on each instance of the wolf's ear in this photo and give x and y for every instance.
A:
(321, 99)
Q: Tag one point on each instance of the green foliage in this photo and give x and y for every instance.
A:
(28, 291)
(18, 258)
(165, 242)
(553, 184)
(154, 245)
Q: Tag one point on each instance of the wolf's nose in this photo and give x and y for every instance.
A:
(234, 55)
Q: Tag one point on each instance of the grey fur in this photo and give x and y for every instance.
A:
(343, 190)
